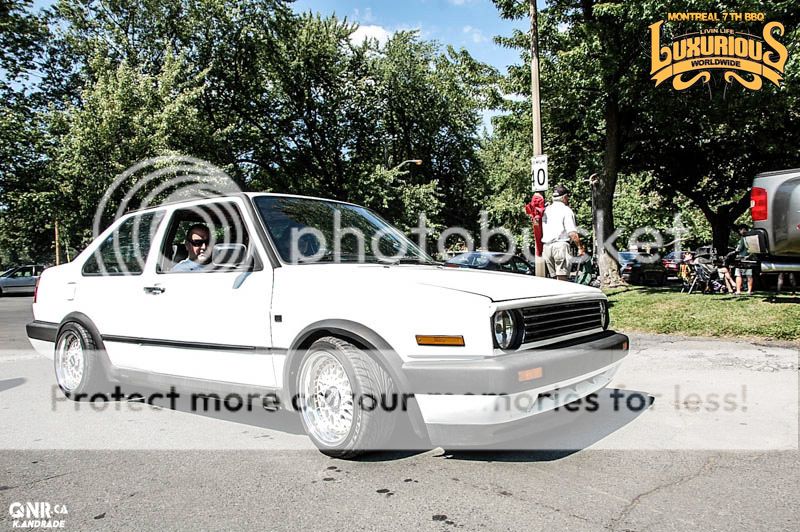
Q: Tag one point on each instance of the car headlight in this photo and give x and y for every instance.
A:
(504, 325)
(604, 317)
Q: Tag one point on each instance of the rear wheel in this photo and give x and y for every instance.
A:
(340, 391)
(78, 370)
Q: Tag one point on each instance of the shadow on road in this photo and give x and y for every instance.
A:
(552, 435)
(7, 384)
(562, 433)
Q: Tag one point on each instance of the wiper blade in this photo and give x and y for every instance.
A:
(404, 260)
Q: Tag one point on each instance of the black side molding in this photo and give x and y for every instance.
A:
(42, 330)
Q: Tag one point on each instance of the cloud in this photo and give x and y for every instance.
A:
(365, 16)
(459, 2)
(370, 31)
(475, 33)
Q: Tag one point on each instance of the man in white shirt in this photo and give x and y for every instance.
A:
(558, 228)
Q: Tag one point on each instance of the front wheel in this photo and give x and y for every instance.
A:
(341, 391)
(78, 371)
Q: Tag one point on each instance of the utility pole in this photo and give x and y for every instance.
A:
(536, 110)
(58, 255)
(535, 103)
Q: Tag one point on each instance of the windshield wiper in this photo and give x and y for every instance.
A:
(404, 260)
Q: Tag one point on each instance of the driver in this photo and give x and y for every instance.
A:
(197, 246)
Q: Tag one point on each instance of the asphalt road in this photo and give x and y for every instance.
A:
(678, 463)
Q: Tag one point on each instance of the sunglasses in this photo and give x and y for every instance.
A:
(199, 242)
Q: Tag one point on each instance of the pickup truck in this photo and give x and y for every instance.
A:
(775, 209)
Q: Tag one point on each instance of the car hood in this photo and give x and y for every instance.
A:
(497, 286)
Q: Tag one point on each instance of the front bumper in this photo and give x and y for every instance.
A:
(484, 401)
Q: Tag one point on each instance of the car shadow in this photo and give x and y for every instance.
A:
(244, 413)
(553, 435)
(566, 432)
(7, 384)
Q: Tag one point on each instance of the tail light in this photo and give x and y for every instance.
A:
(758, 204)
(36, 288)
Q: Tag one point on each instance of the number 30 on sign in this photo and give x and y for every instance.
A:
(539, 172)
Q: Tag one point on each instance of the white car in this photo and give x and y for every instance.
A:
(472, 354)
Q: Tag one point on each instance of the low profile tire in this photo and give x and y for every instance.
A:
(340, 390)
(79, 373)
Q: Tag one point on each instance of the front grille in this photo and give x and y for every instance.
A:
(552, 321)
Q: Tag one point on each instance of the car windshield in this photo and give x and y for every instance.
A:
(308, 230)
(7, 272)
(626, 256)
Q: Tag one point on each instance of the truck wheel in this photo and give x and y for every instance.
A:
(340, 390)
(78, 371)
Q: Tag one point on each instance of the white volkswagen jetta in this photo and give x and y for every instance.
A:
(316, 305)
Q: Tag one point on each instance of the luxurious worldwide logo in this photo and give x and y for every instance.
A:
(742, 57)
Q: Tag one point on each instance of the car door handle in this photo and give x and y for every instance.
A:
(154, 290)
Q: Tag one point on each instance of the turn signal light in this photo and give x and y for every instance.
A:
(529, 374)
(440, 340)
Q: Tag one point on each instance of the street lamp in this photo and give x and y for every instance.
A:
(415, 161)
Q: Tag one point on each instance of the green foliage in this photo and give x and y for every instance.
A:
(280, 102)
(697, 150)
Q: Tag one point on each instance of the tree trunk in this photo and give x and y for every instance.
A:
(720, 229)
(603, 194)
(722, 219)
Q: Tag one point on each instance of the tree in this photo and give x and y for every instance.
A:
(600, 110)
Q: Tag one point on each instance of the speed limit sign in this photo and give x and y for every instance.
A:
(539, 173)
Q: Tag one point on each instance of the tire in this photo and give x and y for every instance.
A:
(78, 370)
(335, 383)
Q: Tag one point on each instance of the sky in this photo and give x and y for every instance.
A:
(471, 24)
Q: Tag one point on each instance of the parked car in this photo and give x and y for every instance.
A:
(494, 261)
(641, 268)
(672, 262)
(775, 210)
(474, 355)
(20, 280)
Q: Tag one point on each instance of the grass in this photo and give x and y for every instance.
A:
(666, 310)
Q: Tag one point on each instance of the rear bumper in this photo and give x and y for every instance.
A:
(42, 330)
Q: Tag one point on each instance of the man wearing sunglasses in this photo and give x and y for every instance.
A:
(198, 249)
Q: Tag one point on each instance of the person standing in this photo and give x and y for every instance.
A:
(741, 254)
(558, 228)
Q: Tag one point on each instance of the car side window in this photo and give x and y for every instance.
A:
(125, 250)
(22, 272)
(228, 247)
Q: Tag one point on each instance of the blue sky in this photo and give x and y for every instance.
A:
(471, 24)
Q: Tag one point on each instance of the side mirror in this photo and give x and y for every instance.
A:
(229, 255)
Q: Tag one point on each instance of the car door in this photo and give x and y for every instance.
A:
(109, 289)
(21, 280)
(210, 324)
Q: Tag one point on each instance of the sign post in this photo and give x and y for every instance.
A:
(539, 173)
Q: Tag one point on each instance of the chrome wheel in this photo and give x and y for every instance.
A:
(327, 398)
(70, 361)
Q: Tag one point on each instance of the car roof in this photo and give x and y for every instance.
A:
(237, 195)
